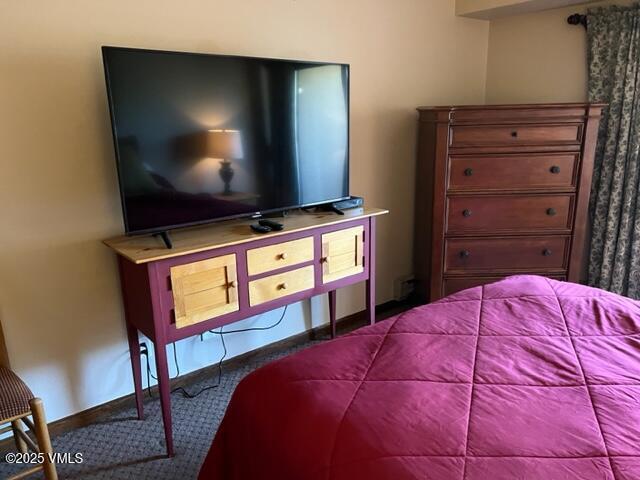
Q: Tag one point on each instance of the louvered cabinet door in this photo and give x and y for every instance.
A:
(204, 290)
(342, 254)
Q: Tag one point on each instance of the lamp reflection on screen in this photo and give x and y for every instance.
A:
(226, 145)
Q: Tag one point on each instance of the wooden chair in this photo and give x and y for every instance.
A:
(17, 404)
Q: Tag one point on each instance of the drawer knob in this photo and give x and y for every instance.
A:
(551, 212)
(464, 253)
(282, 286)
(466, 213)
(514, 134)
(468, 172)
(282, 256)
(546, 252)
(555, 169)
(232, 284)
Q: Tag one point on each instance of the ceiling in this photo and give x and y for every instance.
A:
(488, 9)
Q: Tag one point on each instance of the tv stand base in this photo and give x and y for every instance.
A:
(166, 239)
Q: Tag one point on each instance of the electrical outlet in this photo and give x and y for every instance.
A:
(403, 287)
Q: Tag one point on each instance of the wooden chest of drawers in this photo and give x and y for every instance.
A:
(502, 190)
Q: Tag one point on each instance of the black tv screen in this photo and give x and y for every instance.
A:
(203, 137)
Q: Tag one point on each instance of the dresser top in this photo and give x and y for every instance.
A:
(515, 106)
(146, 248)
(524, 113)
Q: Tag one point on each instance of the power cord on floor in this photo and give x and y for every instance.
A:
(185, 393)
(182, 390)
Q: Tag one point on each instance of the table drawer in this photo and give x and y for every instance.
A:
(519, 253)
(509, 213)
(501, 135)
(204, 290)
(280, 285)
(514, 172)
(342, 253)
(273, 257)
(455, 284)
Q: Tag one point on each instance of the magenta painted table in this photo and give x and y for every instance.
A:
(222, 273)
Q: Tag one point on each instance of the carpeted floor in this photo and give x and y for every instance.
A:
(122, 447)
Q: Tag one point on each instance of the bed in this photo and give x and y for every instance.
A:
(526, 378)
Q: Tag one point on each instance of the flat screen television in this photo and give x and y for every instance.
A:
(200, 138)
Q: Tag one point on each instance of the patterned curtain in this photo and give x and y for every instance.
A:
(614, 78)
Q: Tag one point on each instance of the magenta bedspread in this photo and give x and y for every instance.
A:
(527, 378)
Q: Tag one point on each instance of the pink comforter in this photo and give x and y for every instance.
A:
(527, 378)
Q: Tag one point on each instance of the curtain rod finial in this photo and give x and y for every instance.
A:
(577, 19)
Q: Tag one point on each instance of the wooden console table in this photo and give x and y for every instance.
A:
(222, 273)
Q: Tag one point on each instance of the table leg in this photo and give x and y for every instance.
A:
(332, 312)
(371, 281)
(371, 302)
(134, 353)
(164, 386)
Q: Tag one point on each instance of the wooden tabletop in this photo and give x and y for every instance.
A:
(146, 248)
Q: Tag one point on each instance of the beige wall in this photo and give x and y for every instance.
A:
(59, 298)
(538, 57)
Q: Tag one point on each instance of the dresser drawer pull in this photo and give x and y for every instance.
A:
(465, 253)
(551, 212)
(514, 134)
(546, 252)
(555, 169)
(282, 286)
(282, 256)
(466, 213)
(468, 172)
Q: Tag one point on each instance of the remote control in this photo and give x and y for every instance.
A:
(271, 224)
(260, 228)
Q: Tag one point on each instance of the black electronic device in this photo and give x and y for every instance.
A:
(260, 228)
(273, 225)
(339, 207)
(201, 137)
(351, 202)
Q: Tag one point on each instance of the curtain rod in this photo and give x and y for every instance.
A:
(577, 19)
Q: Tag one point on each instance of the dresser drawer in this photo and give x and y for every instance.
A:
(513, 172)
(273, 257)
(501, 135)
(509, 213)
(204, 290)
(342, 254)
(455, 284)
(516, 253)
(280, 285)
